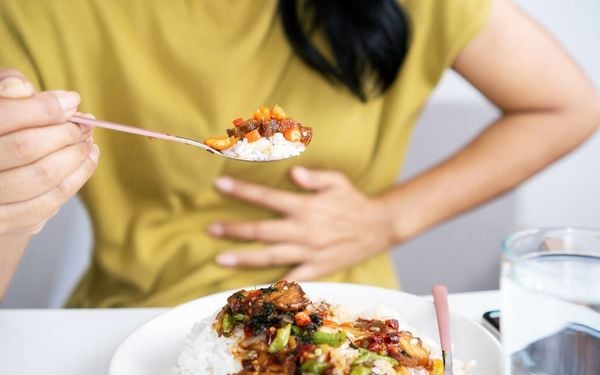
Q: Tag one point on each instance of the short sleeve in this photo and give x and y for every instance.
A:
(441, 29)
(14, 49)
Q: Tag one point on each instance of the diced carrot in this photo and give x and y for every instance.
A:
(278, 113)
(220, 143)
(252, 136)
(293, 135)
(238, 121)
(262, 114)
(302, 319)
(266, 113)
(257, 114)
(254, 293)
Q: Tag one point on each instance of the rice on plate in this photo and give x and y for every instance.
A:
(277, 330)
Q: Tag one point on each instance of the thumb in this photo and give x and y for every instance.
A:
(14, 85)
(312, 179)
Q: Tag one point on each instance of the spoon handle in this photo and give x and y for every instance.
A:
(137, 131)
(440, 300)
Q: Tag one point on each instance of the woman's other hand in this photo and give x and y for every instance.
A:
(329, 228)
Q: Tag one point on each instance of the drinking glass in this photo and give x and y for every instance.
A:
(551, 302)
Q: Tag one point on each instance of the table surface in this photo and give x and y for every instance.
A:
(82, 341)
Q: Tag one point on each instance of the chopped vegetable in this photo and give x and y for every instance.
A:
(302, 319)
(293, 135)
(238, 121)
(238, 317)
(438, 367)
(262, 114)
(281, 339)
(227, 325)
(220, 143)
(360, 370)
(296, 331)
(278, 113)
(368, 356)
(313, 367)
(332, 339)
(253, 136)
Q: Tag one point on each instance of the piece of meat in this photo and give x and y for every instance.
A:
(240, 131)
(307, 134)
(268, 128)
(287, 296)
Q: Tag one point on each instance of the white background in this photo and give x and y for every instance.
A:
(463, 253)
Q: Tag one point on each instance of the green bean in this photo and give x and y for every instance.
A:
(297, 331)
(368, 356)
(281, 339)
(313, 367)
(227, 324)
(334, 339)
(239, 317)
(360, 370)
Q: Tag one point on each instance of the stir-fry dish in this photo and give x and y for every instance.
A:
(268, 134)
(280, 331)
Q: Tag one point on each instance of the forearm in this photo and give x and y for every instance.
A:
(512, 149)
(11, 251)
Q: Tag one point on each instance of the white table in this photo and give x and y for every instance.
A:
(82, 342)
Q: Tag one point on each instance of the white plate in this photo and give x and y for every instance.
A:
(153, 348)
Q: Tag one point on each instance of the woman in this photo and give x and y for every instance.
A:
(163, 235)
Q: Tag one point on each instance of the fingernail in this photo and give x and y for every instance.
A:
(301, 173)
(85, 128)
(10, 83)
(14, 85)
(224, 184)
(68, 100)
(216, 229)
(95, 153)
(228, 260)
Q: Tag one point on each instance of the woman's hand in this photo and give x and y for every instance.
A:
(330, 228)
(44, 161)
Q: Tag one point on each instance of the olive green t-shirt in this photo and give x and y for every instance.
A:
(189, 67)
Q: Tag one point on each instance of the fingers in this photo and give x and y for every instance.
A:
(273, 199)
(276, 255)
(27, 182)
(307, 272)
(26, 146)
(13, 84)
(46, 108)
(318, 180)
(29, 214)
(263, 231)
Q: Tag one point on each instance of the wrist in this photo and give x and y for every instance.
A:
(402, 224)
(12, 247)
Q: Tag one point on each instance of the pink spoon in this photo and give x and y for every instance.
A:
(440, 300)
(152, 134)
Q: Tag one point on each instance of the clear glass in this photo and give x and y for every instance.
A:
(551, 302)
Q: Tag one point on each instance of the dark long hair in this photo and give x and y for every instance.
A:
(368, 39)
